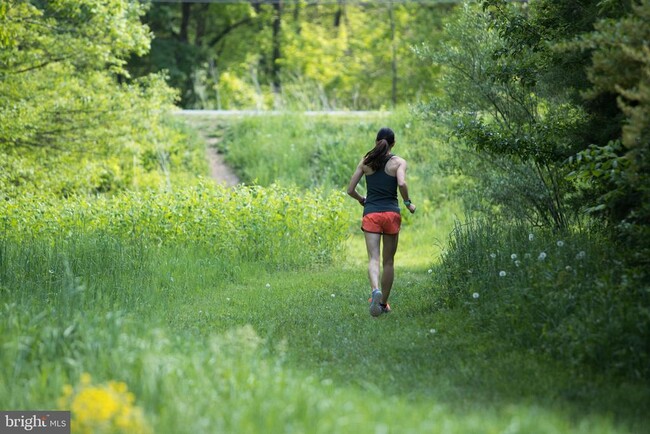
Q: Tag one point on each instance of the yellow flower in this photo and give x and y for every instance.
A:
(105, 408)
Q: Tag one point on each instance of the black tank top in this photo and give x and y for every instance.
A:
(382, 191)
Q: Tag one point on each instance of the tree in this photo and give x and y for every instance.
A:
(515, 94)
(292, 54)
(60, 100)
(619, 170)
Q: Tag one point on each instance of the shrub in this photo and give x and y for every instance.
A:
(569, 294)
(277, 226)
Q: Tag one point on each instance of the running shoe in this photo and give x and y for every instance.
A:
(375, 300)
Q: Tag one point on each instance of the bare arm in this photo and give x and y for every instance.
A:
(354, 181)
(401, 184)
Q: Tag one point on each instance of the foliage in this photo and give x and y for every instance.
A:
(297, 55)
(276, 351)
(495, 106)
(322, 151)
(621, 66)
(70, 120)
(233, 224)
(568, 295)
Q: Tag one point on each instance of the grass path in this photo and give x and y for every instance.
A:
(430, 363)
(419, 369)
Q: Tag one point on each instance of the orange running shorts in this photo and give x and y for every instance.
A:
(387, 222)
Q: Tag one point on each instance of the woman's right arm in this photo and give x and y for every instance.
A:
(354, 181)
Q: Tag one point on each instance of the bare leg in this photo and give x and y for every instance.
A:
(373, 242)
(388, 274)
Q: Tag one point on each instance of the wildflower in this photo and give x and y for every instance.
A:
(493, 255)
(268, 285)
(517, 263)
(560, 243)
(430, 271)
(531, 237)
(513, 256)
(475, 295)
(108, 407)
(333, 295)
(568, 268)
(581, 255)
(432, 331)
(502, 273)
(542, 256)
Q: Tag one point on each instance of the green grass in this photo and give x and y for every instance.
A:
(210, 344)
(207, 349)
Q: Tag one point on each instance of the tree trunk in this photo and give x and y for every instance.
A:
(338, 14)
(394, 55)
(186, 9)
(277, 29)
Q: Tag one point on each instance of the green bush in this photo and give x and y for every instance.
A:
(277, 226)
(570, 295)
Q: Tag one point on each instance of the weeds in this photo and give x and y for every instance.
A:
(565, 294)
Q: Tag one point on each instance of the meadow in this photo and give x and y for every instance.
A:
(201, 309)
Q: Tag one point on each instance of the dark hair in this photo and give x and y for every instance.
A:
(376, 157)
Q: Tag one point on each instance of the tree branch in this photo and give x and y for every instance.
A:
(214, 41)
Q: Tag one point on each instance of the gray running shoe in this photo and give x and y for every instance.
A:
(375, 299)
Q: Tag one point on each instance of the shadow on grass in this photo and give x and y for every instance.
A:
(423, 354)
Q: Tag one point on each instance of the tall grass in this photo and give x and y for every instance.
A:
(199, 310)
(323, 151)
(202, 349)
(277, 226)
(567, 294)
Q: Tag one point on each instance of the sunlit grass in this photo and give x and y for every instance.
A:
(204, 348)
(210, 344)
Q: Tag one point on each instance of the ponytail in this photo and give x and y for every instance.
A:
(376, 157)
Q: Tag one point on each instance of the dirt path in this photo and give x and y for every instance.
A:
(219, 171)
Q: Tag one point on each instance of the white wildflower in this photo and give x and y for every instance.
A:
(493, 255)
(333, 295)
(531, 237)
(581, 255)
(502, 274)
(475, 295)
(517, 263)
(542, 256)
(268, 285)
(513, 256)
(560, 243)
(430, 271)
(432, 331)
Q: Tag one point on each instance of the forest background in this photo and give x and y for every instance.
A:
(531, 120)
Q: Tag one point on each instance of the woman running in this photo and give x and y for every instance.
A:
(385, 174)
